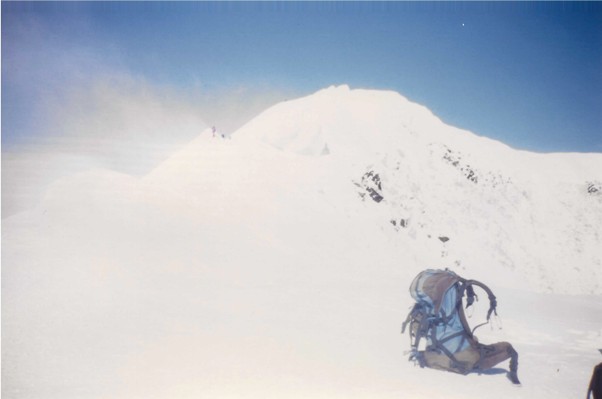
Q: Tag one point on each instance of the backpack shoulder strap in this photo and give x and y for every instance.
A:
(470, 297)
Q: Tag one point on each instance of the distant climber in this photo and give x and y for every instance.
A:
(213, 131)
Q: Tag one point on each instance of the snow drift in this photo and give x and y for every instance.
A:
(276, 263)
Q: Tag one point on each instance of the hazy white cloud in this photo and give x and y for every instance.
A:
(117, 123)
(70, 107)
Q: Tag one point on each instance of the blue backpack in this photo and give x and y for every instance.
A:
(438, 318)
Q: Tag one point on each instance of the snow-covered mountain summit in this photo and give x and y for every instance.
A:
(453, 198)
(276, 263)
(366, 159)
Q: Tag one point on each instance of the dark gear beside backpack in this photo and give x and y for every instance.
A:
(595, 385)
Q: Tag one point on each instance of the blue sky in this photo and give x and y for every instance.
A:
(527, 74)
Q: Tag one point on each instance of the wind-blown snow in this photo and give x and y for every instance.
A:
(277, 263)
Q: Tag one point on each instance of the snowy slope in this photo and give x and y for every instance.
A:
(276, 263)
(500, 208)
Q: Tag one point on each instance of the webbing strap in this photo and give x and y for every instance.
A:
(437, 345)
(480, 325)
(470, 297)
(452, 336)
